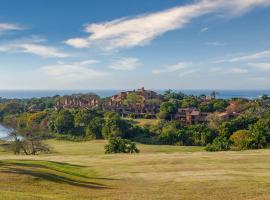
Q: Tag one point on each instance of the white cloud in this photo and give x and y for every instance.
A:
(126, 64)
(216, 44)
(171, 68)
(247, 57)
(225, 70)
(72, 72)
(44, 51)
(216, 69)
(204, 29)
(33, 47)
(238, 70)
(78, 42)
(87, 62)
(140, 30)
(261, 66)
(187, 72)
(10, 27)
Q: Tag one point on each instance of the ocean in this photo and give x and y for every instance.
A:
(225, 94)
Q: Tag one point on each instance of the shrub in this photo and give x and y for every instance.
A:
(219, 144)
(119, 145)
(242, 139)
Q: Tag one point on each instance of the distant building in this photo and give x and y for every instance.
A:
(188, 116)
(116, 103)
(78, 101)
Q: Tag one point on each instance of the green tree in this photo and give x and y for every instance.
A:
(169, 94)
(114, 126)
(241, 139)
(219, 144)
(94, 128)
(214, 94)
(261, 133)
(167, 110)
(64, 122)
(119, 145)
(219, 105)
(190, 102)
(133, 99)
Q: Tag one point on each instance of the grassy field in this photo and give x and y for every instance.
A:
(143, 122)
(80, 171)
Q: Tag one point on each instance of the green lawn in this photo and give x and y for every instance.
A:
(143, 122)
(80, 171)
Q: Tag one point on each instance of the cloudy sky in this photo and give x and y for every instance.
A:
(120, 44)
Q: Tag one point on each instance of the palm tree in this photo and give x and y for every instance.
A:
(132, 148)
(214, 94)
(265, 97)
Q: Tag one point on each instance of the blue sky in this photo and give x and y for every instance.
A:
(101, 44)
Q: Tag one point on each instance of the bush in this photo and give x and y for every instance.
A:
(219, 144)
(242, 139)
(119, 145)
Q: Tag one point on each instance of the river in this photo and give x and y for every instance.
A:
(3, 132)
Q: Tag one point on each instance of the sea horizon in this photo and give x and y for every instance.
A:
(221, 93)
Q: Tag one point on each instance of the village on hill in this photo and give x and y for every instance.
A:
(142, 103)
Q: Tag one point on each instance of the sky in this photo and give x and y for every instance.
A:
(120, 44)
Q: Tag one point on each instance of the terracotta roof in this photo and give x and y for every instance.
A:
(195, 112)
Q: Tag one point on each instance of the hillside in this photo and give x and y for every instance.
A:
(158, 172)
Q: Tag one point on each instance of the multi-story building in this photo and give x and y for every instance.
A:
(78, 101)
(117, 103)
(188, 116)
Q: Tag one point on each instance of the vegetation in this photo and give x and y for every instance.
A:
(247, 127)
(81, 171)
(119, 145)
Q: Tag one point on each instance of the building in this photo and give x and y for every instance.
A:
(78, 101)
(117, 103)
(188, 116)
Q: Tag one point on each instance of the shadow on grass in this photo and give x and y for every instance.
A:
(52, 171)
(4, 146)
(66, 168)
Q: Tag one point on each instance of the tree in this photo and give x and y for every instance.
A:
(261, 133)
(219, 144)
(214, 94)
(153, 102)
(94, 128)
(169, 134)
(265, 97)
(133, 99)
(13, 107)
(167, 110)
(119, 145)
(242, 139)
(169, 94)
(219, 105)
(200, 134)
(64, 122)
(29, 142)
(83, 117)
(190, 102)
(114, 126)
(214, 121)
(206, 107)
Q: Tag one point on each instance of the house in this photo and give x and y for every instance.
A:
(188, 116)
(78, 101)
(116, 103)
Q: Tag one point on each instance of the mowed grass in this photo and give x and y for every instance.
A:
(143, 122)
(81, 170)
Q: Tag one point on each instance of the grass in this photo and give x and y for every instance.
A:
(80, 170)
(143, 122)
